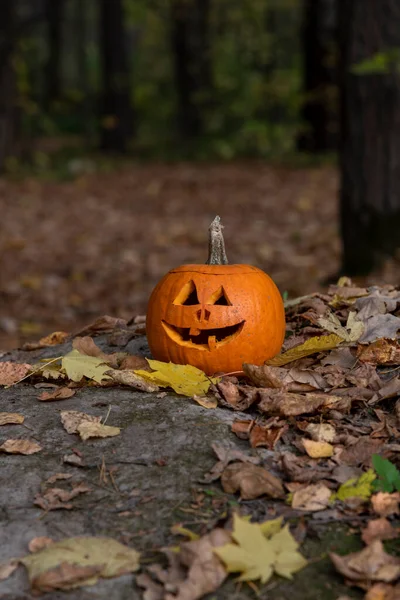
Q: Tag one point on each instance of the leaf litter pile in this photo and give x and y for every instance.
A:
(322, 424)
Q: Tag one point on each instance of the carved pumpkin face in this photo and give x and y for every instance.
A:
(215, 317)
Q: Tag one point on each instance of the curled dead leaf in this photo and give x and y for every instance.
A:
(370, 564)
(11, 418)
(251, 481)
(61, 393)
(20, 447)
(312, 497)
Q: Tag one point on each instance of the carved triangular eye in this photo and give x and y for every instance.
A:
(188, 295)
(219, 297)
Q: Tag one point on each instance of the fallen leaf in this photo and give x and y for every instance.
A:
(350, 333)
(341, 357)
(321, 432)
(11, 372)
(370, 564)
(8, 568)
(288, 404)
(361, 452)
(385, 504)
(205, 571)
(61, 393)
(380, 326)
(303, 469)
(77, 366)
(293, 380)
(38, 543)
(206, 402)
(380, 352)
(237, 397)
(251, 481)
(153, 590)
(266, 435)
(242, 428)
(53, 339)
(183, 379)
(317, 449)
(257, 557)
(58, 498)
(378, 529)
(88, 429)
(58, 477)
(360, 487)
(311, 346)
(20, 447)
(226, 455)
(312, 498)
(79, 561)
(131, 379)
(11, 418)
(71, 419)
(133, 362)
(383, 591)
(102, 325)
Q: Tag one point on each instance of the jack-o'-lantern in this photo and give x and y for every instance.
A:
(215, 316)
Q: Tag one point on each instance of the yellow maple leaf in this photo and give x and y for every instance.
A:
(183, 379)
(315, 344)
(77, 366)
(256, 555)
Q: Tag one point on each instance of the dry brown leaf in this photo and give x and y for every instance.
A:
(321, 432)
(206, 572)
(61, 393)
(153, 590)
(361, 452)
(71, 419)
(58, 498)
(38, 543)
(11, 372)
(317, 449)
(292, 380)
(242, 428)
(379, 529)
(385, 504)
(303, 469)
(370, 564)
(383, 591)
(312, 498)
(11, 418)
(380, 326)
(226, 455)
(88, 429)
(288, 404)
(53, 339)
(20, 447)
(252, 481)
(205, 401)
(266, 436)
(380, 352)
(132, 380)
(8, 568)
(58, 477)
(237, 397)
(102, 325)
(134, 362)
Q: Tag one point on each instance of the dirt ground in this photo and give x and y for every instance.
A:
(71, 251)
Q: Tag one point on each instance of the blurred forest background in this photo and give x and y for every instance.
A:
(126, 125)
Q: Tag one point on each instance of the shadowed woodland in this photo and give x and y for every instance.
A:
(125, 126)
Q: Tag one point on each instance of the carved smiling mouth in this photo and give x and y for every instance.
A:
(202, 339)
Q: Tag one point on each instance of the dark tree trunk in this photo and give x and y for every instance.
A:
(116, 111)
(318, 34)
(54, 17)
(9, 114)
(370, 136)
(190, 41)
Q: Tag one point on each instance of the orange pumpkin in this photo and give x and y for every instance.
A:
(215, 316)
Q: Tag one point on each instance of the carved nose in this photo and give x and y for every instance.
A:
(203, 315)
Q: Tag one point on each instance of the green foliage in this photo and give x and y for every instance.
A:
(379, 63)
(388, 475)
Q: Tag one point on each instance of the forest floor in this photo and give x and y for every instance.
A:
(74, 250)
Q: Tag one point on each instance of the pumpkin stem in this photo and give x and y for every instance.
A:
(216, 244)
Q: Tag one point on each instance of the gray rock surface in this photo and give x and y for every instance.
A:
(157, 461)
